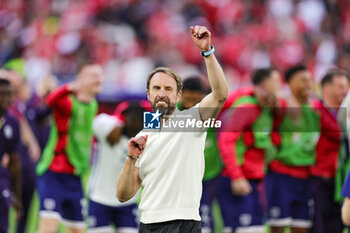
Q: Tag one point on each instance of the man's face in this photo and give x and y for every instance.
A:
(163, 93)
(337, 89)
(190, 98)
(301, 84)
(266, 92)
(93, 77)
(274, 83)
(6, 94)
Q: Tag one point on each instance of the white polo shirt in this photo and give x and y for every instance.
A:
(171, 169)
(109, 163)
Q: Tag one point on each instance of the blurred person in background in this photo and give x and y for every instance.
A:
(66, 155)
(28, 149)
(33, 115)
(193, 92)
(326, 217)
(22, 93)
(245, 146)
(113, 133)
(39, 114)
(9, 162)
(287, 182)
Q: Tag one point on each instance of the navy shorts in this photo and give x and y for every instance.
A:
(5, 203)
(61, 198)
(327, 212)
(241, 212)
(289, 201)
(124, 218)
(209, 194)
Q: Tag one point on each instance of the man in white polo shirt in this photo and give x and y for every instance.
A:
(169, 164)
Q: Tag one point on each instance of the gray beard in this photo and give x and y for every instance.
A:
(164, 111)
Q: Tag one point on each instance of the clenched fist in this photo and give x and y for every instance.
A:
(137, 145)
(201, 37)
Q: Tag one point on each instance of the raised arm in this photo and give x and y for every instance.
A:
(28, 138)
(129, 180)
(55, 96)
(211, 105)
(58, 98)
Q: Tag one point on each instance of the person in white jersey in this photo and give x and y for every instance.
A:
(113, 133)
(169, 165)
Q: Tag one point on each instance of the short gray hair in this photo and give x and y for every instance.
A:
(168, 71)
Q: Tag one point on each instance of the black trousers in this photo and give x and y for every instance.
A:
(176, 226)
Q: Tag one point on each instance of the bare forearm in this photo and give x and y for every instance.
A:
(211, 105)
(127, 184)
(346, 211)
(26, 133)
(29, 140)
(216, 78)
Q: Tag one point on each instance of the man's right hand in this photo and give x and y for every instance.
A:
(136, 145)
(241, 187)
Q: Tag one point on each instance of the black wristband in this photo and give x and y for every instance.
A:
(132, 157)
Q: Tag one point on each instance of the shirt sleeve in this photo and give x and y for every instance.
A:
(236, 123)
(192, 114)
(58, 100)
(103, 125)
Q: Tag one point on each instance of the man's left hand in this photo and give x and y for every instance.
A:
(201, 37)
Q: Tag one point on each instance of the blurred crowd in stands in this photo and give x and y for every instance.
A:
(130, 37)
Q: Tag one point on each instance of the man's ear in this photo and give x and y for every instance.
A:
(147, 92)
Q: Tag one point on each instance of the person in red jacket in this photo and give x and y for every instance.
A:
(66, 155)
(243, 143)
(335, 85)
